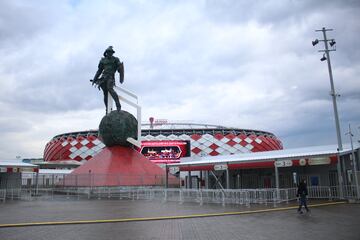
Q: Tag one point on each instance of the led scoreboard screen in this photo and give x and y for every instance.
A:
(165, 151)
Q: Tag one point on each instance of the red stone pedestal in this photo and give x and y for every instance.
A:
(118, 166)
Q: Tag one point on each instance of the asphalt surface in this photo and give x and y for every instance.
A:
(339, 221)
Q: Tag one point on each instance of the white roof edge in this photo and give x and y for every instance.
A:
(294, 153)
(56, 171)
(16, 164)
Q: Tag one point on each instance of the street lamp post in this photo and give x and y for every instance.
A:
(354, 164)
(334, 96)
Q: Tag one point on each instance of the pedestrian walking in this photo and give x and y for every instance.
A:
(302, 193)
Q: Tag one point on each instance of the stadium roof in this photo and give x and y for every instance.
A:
(180, 125)
(178, 128)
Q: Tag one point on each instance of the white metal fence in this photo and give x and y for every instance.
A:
(2, 195)
(31, 180)
(201, 196)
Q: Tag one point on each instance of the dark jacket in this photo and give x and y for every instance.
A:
(302, 189)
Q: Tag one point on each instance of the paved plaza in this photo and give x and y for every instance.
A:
(142, 220)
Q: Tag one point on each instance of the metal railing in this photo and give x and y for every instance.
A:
(91, 180)
(244, 197)
(2, 195)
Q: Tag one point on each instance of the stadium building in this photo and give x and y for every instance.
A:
(216, 156)
(209, 156)
(164, 142)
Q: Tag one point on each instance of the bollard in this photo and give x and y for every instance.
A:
(275, 195)
(37, 182)
(223, 199)
(98, 192)
(287, 196)
(247, 199)
(181, 196)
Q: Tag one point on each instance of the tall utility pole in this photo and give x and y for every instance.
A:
(334, 96)
(332, 93)
(354, 164)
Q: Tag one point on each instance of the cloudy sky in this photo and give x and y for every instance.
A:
(245, 64)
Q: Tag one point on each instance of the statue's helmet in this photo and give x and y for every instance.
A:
(109, 49)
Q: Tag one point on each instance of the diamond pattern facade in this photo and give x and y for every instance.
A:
(83, 146)
(79, 148)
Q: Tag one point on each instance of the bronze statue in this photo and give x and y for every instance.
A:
(108, 66)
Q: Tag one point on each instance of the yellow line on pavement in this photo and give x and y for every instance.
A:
(161, 218)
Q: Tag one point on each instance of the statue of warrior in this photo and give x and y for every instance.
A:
(107, 68)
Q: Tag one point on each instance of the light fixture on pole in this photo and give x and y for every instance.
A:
(332, 42)
(323, 58)
(333, 94)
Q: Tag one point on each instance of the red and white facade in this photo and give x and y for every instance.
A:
(167, 143)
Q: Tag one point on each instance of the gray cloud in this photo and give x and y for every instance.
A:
(272, 11)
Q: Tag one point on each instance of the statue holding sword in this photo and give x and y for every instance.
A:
(107, 68)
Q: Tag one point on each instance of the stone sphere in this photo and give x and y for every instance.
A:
(116, 127)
